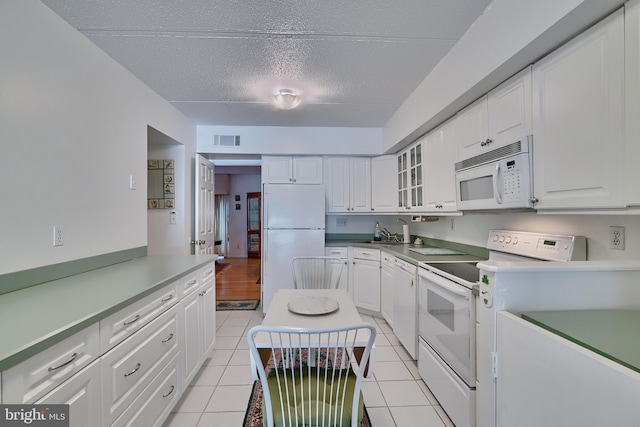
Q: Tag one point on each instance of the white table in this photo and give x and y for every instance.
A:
(279, 315)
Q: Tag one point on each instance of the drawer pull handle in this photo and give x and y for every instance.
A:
(167, 298)
(192, 282)
(135, 319)
(167, 339)
(71, 359)
(170, 391)
(133, 371)
(208, 272)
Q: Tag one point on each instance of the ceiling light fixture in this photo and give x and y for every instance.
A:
(286, 99)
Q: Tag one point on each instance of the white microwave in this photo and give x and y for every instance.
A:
(497, 179)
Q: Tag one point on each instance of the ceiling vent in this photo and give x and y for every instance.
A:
(226, 140)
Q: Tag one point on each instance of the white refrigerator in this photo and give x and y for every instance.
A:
(293, 225)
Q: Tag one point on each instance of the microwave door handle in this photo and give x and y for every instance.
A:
(496, 190)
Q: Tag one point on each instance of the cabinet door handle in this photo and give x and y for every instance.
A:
(167, 339)
(133, 371)
(167, 298)
(203, 293)
(71, 359)
(135, 319)
(170, 391)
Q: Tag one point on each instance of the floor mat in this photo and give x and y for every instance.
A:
(242, 304)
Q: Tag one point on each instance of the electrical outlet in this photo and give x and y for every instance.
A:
(341, 222)
(616, 238)
(57, 236)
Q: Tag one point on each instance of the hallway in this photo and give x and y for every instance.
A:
(238, 281)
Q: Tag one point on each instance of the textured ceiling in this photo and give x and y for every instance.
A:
(353, 61)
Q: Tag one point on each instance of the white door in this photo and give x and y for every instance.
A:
(204, 235)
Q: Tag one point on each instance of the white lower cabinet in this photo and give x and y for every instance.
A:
(154, 404)
(343, 254)
(82, 393)
(31, 379)
(198, 328)
(131, 366)
(138, 375)
(366, 278)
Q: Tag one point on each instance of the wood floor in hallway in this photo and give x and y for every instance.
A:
(239, 280)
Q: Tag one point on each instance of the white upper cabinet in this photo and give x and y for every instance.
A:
(498, 118)
(578, 121)
(632, 102)
(291, 170)
(473, 129)
(410, 180)
(348, 184)
(440, 154)
(383, 184)
(509, 108)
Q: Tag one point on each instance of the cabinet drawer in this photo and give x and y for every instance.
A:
(206, 273)
(155, 402)
(82, 393)
(32, 379)
(130, 367)
(336, 252)
(120, 325)
(189, 283)
(387, 260)
(363, 253)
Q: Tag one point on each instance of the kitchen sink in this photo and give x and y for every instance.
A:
(384, 242)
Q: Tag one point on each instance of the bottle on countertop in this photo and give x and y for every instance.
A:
(376, 233)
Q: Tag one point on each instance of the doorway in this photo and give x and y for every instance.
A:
(253, 225)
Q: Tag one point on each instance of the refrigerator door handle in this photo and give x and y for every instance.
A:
(265, 245)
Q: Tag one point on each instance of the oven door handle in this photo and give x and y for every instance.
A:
(447, 285)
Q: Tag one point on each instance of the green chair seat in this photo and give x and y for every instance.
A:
(320, 402)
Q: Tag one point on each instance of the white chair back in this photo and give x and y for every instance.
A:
(320, 272)
(312, 377)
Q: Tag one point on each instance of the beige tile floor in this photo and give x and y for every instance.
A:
(218, 396)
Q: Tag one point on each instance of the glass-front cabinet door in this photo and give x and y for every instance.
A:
(410, 181)
(253, 225)
(415, 155)
(403, 182)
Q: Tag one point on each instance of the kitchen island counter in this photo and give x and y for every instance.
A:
(613, 334)
(37, 317)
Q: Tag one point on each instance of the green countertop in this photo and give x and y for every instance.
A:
(614, 334)
(37, 317)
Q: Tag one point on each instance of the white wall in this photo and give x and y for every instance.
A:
(293, 140)
(164, 238)
(240, 185)
(74, 127)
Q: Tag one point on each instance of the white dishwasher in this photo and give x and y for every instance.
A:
(405, 305)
